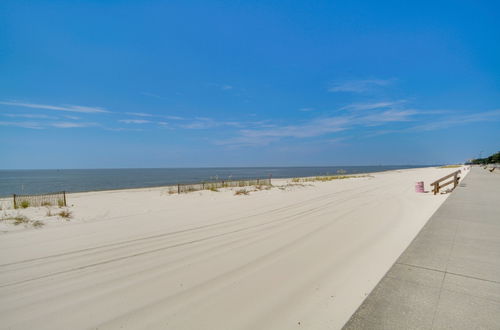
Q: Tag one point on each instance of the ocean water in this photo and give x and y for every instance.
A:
(44, 181)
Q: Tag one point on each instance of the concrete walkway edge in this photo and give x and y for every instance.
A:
(449, 276)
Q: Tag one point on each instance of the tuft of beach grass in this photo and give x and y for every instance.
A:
(241, 192)
(65, 214)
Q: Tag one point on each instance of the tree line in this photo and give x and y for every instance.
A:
(495, 158)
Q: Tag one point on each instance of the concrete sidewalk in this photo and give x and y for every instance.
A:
(449, 276)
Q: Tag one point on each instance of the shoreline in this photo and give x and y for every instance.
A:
(199, 182)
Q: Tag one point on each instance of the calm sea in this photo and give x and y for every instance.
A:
(43, 181)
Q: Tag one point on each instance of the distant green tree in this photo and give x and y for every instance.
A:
(495, 158)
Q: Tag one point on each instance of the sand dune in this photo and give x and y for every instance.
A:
(301, 257)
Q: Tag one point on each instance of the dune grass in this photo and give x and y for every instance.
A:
(329, 178)
(65, 214)
(241, 192)
(19, 219)
(450, 166)
(290, 186)
(22, 220)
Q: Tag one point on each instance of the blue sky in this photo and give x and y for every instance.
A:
(97, 84)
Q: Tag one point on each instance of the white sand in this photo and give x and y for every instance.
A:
(303, 257)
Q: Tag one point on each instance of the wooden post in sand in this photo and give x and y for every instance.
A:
(14, 196)
(64, 195)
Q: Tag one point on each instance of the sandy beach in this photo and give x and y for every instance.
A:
(295, 256)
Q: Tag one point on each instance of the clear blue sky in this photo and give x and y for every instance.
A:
(96, 84)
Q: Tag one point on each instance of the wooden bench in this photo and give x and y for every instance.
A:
(438, 185)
